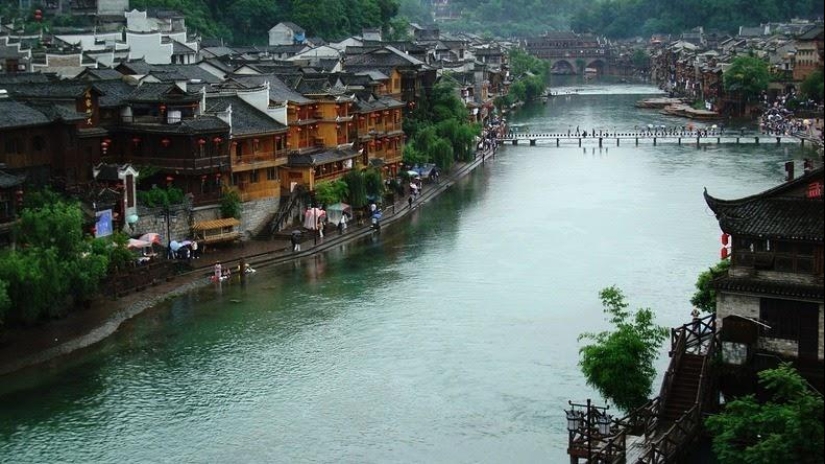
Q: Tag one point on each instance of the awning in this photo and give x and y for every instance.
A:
(216, 224)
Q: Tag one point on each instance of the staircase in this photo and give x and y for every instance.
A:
(286, 206)
(685, 387)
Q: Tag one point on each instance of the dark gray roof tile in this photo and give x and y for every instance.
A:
(15, 114)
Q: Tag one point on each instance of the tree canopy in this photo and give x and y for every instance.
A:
(747, 76)
(619, 362)
(787, 428)
(705, 296)
(612, 18)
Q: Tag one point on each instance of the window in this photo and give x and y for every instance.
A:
(253, 177)
(270, 174)
(783, 316)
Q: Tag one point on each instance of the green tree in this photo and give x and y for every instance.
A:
(705, 296)
(619, 362)
(747, 76)
(5, 301)
(640, 58)
(231, 204)
(413, 156)
(357, 189)
(787, 428)
(813, 86)
(331, 191)
(373, 182)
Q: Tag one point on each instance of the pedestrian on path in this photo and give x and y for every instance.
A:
(410, 201)
(295, 240)
(342, 224)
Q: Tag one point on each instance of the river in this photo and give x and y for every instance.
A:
(449, 338)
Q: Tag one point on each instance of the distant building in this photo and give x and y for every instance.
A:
(286, 33)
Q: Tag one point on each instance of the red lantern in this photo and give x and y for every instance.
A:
(19, 194)
(217, 140)
(218, 176)
(724, 253)
(162, 108)
(169, 179)
(725, 239)
(299, 129)
(203, 178)
(165, 142)
(201, 142)
(136, 140)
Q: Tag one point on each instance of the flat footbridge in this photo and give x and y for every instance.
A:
(619, 138)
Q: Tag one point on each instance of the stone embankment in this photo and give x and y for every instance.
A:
(82, 329)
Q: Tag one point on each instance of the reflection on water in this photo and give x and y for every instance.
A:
(448, 338)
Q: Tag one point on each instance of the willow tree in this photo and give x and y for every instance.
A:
(619, 363)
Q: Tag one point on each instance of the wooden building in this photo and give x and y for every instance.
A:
(770, 303)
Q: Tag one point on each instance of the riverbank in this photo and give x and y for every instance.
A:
(34, 346)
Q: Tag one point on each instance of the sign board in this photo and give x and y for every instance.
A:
(103, 223)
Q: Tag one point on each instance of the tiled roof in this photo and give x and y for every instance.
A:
(763, 286)
(160, 92)
(200, 125)
(102, 74)
(10, 180)
(15, 114)
(322, 157)
(113, 93)
(278, 91)
(774, 213)
(52, 90)
(246, 119)
(25, 78)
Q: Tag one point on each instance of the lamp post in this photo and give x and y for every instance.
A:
(589, 422)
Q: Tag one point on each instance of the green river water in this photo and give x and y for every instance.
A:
(449, 338)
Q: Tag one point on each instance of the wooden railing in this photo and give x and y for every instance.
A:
(673, 441)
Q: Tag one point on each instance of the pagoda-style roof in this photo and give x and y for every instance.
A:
(783, 212)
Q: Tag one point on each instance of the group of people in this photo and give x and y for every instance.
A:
(222, 273)
(778, 119)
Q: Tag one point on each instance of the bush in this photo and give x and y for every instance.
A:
(231, 204)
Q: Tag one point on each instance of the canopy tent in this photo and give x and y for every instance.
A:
(334, 212)
(135, 244)
(151, 237)
(312, 216)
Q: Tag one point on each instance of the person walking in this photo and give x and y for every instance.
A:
(410, 201)
(195, 253)
(342, 224)
(295, 240)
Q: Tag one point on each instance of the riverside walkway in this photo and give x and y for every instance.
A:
(605, 138)
(81, 329)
